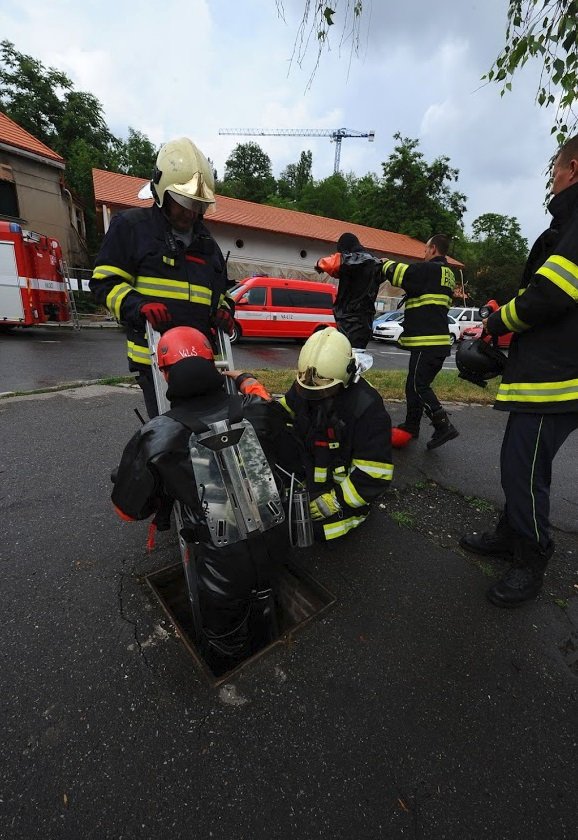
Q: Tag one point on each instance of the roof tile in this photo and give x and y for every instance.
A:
(14, 135)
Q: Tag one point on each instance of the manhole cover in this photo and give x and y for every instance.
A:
(300, 599)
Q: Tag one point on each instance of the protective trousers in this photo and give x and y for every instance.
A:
(424, 366)
(357, 327)
(530, 444)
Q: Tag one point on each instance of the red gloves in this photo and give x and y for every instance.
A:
(223, 320)
(156, 314)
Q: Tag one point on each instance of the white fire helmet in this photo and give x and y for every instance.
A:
(184, 172)
(326, 364)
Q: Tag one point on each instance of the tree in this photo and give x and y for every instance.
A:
(248, 174)
(494, 257)
(413, 196)
(295, 177)
(136, 155)
(546, 30)
(330, 197)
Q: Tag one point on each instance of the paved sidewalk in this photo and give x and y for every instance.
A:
(412, 709)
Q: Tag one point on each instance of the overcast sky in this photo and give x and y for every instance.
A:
(191, 67)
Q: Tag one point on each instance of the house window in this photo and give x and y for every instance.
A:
(239, 243)
(8, 198)
(303, 254)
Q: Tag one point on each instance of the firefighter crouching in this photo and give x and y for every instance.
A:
(161, 264)
(344, 433)
(156, 464)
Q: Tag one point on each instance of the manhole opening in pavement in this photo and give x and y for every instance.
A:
(300, 599)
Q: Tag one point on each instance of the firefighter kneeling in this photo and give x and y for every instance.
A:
(344, 431)
(235, 580)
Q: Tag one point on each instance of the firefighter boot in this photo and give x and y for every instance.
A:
(496, 543)
(443, 429)
(524, 579)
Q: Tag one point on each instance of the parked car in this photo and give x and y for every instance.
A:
(466, 316)
(276, 307)
(391, 329)
(387, 316)
(475, 332)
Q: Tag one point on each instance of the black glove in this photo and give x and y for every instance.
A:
(156, 314)
(317, 269)
(223, 320)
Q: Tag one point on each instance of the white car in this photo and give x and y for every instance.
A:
(391, 329)
(466, 316)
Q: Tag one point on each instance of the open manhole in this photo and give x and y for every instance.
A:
(300, 598)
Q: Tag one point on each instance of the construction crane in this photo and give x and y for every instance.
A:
(336, 135)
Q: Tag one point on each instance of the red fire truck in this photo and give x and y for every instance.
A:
(33, 285)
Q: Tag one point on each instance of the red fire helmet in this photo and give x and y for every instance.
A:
(182, 343)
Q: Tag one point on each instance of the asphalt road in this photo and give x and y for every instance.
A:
(48, 356)
(412, 710)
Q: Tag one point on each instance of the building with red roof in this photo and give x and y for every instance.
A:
(33, 192)
(261, 239)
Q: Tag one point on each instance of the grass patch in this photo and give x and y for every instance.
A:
(391, 385)
(480, 504)
(403, 519)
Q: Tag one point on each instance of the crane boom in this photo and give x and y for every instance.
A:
(336, 135)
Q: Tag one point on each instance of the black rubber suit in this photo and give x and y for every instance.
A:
(156, 464)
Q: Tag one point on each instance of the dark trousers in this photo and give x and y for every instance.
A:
(530, 444)
(145, 380)
(357, 328)
(424, 366)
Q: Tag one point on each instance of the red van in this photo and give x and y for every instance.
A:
(273, 307)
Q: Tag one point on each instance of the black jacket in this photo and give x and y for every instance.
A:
(140, 261)
(428, 287)
(345, 447)
(541, 373)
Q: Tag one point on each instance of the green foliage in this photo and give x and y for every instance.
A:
(43, 101)
(544, 30)
(494, 258)
(248, 174)
(295, 177)
(330, 197)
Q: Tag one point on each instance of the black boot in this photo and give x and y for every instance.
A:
(411, 428)
(443, 429)
(497, 543)
(524, 579)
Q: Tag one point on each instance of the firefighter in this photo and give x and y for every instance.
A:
(359, 279)
(428, 288)
(161, 264)
(539, 388)
(234, 581)
(344, 433)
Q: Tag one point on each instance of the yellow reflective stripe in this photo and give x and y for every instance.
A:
(338, 529)
(429, 300)
(350, 494)
(169, 261)
(375, 469)
(289, 410)
(138, 353)
(562, 272)
(116, 296)
(538, 392)
(101, 272)
(512, 321)
(399, 271)
(225, 301)
(320, 474)
(176, 289)
(424, 340)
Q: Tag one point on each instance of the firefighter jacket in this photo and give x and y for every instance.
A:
(428, 287)
(346, 447)
(141, 261)
(359, 281)
(541, 374)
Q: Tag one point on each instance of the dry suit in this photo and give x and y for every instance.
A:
(359, 277)
(345, 446)
(156, 464)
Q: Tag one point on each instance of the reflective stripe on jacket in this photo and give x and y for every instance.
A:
(541, 373)
(429, 289)
(140, 260)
